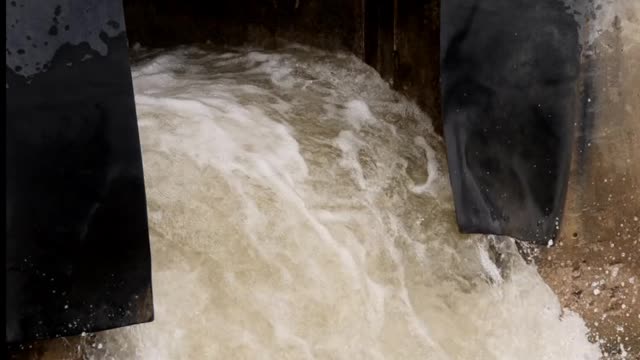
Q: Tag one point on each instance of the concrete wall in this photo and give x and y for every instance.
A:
(595, 269)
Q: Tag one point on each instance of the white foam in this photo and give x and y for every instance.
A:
(284, 223)
(431, 186)
(357, 114)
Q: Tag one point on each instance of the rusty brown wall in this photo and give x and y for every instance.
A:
(399, 38)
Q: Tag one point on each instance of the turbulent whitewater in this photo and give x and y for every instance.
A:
(300, 209)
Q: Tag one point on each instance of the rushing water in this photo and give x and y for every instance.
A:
(300, 209)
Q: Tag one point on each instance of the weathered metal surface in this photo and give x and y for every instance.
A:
(400, 39)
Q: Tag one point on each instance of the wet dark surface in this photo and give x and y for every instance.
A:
(595, 269)
(77, 241)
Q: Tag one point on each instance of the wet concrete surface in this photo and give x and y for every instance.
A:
(595, 267)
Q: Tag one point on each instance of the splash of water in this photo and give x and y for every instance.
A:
(300, 209)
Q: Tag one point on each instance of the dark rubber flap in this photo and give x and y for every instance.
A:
(77, 241)
(509, 86)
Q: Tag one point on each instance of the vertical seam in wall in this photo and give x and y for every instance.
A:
(395, 25)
